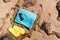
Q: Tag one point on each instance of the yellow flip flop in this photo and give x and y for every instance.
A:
(14, 32)
(19, 29)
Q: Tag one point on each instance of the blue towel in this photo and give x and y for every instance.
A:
(25, 18)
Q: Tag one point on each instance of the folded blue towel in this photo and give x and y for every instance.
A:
(25, 18)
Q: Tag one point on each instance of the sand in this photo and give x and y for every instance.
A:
(46, 26)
